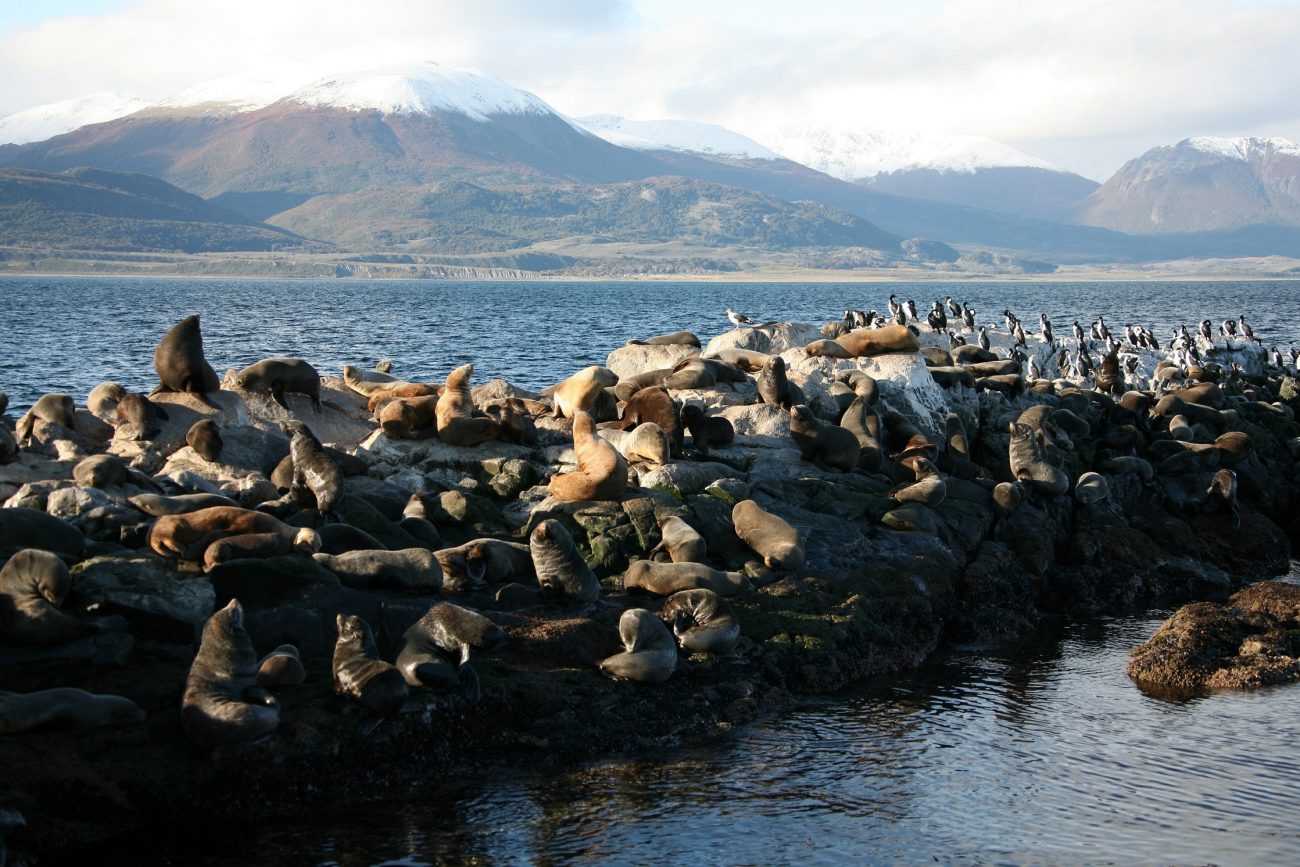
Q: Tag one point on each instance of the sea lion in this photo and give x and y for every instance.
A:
(1001, 367)
(823, 444)
(413, 569)
(8, 449)
(340, 538)
(774, 540)
(862, 383)
(487, 560)
(630, 385)
(677, 338)
(436, 648)
(100, 471)
(179, 362)
(313, 469)
(936, 357)
(910, 518)
(1109, 378)
(1007, 497)
(972, 353)
(774, 389)
(20, 712)
(692, 373)
(367, 382)
(1139, 467)
(559, 567)
(827, 348)
(281, 667)
(33, 584)
(1009, 384)
(360, 674)
(136, 417)
(646, 443)
(514, 422)
(929, 489)
(53, 408)
(1030, 466)
(1234, 447)
(401, 389)
(20, 526)
(1091, 487)
(581, 391)
(457, 425)
(222, 702)
(259, 546)
(664, 579)
(834, 329)
(188, 535)
(1221, 496)
(103, 399)
(205, 438)
(706, 431)
(601, 472)
(952, 377)
(1203, 394)
(877, 341)
(282, 376)
(679, 542)
(702, 621)
(861, 421)
(649, 651)
(409, 417)
(746, 359)
(156, 505)
(654, 404)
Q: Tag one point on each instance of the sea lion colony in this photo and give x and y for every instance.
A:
(662, 501)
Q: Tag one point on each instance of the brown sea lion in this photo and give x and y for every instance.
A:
(282, 376)
(561, 571)
(180, 364)
(706, 430)
(20, 526)
(53, 408)
(136, 417)
(33, 584)
(188, 535)
(409, 417)
(313, 469)
(205, 438)
(259, 546)
(514, 421)
(360, 674)
(702, 621)
(861, 421)
(774, 388)
(156, 505)
(100, 471)
(679, 542)
(366, 382)
(436, 648)
(827, 349)
(581, 392)
(222, 702)
(823, 444)
(281, 667)
(654, 404)
(1029, 464)
(746, 359)
(929, 489)
(412, 569)
(401, 389)
(646, 443)
(103, 399)
(877, 341)
(601, 472)
(769, 536)
(457, 425)
(63, 707)
(677, 338)
(649, 651)
(665, 579)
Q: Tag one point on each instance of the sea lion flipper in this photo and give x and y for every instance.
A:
(277, 395)
(469, 684)
(315, 404)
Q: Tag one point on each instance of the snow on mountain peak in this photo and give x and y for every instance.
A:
(1241, 148)
(56, 118)
(674, 135)
(247, 90)
(864, 153)
(421, 88)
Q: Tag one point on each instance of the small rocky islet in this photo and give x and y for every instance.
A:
(240, 597)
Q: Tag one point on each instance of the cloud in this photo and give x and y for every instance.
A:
(1075, 77)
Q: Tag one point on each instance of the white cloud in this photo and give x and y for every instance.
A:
(1077, 79)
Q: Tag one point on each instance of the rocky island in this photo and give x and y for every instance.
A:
(239, 597)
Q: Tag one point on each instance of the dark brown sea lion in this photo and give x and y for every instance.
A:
(654, 404)
(205, 438)
(223, 703)
(63, 707)
(823, 444)
(436, 649)
(702, 621)
(360, 674)
(53, 408)
(188, 535)
(33, 584)
(313, 469)
(136, 417)
(877, 341)
(559, 567)
(180, 364)
(706, 430)
(770, 536)
(649, 651)
(677, 338)
(280, 376)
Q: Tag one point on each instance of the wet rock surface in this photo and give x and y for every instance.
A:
(883, 583)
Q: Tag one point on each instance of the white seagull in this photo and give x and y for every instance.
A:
(738, 319)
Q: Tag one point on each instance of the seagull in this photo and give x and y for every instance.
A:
(738, 319)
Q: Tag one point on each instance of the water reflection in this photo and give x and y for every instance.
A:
(1037, 753)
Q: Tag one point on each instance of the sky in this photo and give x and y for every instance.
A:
(1084, 84)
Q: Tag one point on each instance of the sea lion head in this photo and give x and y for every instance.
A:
(307, 541)
(801, 414)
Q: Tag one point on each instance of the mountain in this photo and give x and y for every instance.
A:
(91, 209)
(969, 170)
(461, 217)
(56, 118)
(674, 135)
(1200, 185)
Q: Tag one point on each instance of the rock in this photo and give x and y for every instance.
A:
(498, 389)
(682, 479)
(246, 451)
(758, 425)
(631, 360)
(772, 338)
(343, 421)
(155, 599)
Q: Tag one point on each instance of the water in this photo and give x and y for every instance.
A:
(71, 333)
(1039, 753)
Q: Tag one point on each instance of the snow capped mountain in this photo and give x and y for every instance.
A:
(56, 118)
(243, 91)
(675, 135)
(856, 154)
(1242, 148)
(421, 88)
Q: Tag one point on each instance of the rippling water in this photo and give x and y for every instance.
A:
(71, 333)
(1043, 753)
